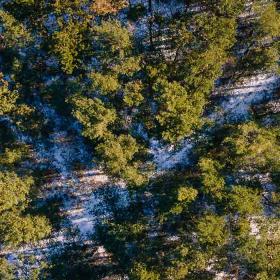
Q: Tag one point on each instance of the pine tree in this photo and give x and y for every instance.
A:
(8, 98)
(6, 270)
(14, 34)
(179, 111)
(213, 183)
(117, 154)
(104, 107)
(68, 43)
(94, 116)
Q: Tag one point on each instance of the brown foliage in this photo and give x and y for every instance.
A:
(103, 7)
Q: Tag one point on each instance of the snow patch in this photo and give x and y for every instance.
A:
(237, 101)
(168, 156)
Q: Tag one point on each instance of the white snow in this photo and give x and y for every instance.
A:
(236, 104)
(162, 8)
(165, 8)
(223, 276)
(86, 191)
(238, 100)
(168, 156)
(84, 197)
(173, 238)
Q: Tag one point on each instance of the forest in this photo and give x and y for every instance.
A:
(139, 139)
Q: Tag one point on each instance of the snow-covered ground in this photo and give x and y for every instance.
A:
(61, 151)
(168, 156)
(83, 190)
(233, 104)
(140, 29)
(165, 8)
(236, 101)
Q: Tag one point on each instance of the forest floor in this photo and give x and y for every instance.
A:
(231, 103)
(82, 187)
(76, 181)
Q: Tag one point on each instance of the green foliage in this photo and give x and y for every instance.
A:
(262, 276)
(13, 190)
(178, 271)
(186, 220)
(213, 183)
(15, 33)
(8, 98)
(12, 156)
(229, 7)
(187, 194)
(50, 209)
(94, 116)
(202, 43)
(212, 230)
(242, 228)
(132, 93)
(128, 66)
(179, 112)
(117, 155)
(72, 7)
(105, 83)
(105, 113)
(16, 229)
(225, 8)
(10, 104)
(255, 147)
(269, 21)
(123, 149)
(113, 41)
(6, 270)
(261, 58)
(263, 253)
(204, 51)
(262, 52)
(140, 272)
(245, 201)
(114, 51)
(68, 43)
